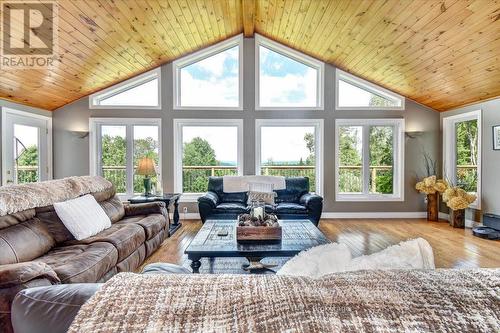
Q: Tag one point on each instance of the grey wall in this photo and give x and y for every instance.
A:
(71, 156)
(11, 105)
(490, 161)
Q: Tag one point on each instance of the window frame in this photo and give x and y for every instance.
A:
(124, 86)
(368, 86)
(195, 57)
(95, 147)
(294, 55)
(179, 124)
(318, 124)
(398, 158)
(450, 147)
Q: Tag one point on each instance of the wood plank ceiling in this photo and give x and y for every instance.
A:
(443, 54)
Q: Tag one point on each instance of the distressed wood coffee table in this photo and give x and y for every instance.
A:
(217, 238)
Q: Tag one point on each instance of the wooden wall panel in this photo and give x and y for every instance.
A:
(443, 54)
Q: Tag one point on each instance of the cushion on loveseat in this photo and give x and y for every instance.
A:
(295, 188)
(152, 223)
(81, 262)
(290, 208)
(231, 207)
(126, 238)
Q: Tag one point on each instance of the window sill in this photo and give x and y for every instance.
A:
(367, 198)
(190, 197)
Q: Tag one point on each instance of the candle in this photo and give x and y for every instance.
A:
(258, 212)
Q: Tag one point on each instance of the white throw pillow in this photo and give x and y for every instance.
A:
(83, 216)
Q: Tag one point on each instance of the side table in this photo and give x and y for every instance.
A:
(170, 199)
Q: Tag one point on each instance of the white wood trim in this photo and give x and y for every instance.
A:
(207, 52)
(318, 125)
(449, 147)
(319, 66)
(398, 157)
(10, 111)
(124, 86)
(178, 142)
(373, 215)
(368, 86)
(94, 146)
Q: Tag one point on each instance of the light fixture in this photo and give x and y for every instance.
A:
(414, 134)
(80, 134)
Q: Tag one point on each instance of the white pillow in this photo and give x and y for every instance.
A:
(83, 216)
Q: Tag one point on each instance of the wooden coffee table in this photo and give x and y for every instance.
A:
(217, 238)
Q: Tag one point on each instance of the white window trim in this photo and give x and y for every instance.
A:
(124, 86)
(398, 157)
(5, 112)
(449, 148)
(318, 124)
(178, 149)
(368, 86)
(178, 64)
(297, 56)
(94, 146)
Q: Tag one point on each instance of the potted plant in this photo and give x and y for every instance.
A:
(458, 200)
(431, 186)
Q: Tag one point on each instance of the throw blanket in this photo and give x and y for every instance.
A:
(363, 301)
(235, 184)
(17, 198)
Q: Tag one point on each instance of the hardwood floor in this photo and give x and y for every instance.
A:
(455, 248)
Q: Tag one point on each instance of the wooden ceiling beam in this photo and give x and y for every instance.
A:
(248, 15)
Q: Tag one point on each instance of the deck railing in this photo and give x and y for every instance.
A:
(195, 177)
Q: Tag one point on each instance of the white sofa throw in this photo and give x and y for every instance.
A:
(83, 216)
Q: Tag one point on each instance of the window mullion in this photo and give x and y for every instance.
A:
(130, 159)
(366, 160)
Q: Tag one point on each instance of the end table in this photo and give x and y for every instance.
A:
(169, 199)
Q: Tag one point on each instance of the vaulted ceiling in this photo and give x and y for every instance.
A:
(443, 54)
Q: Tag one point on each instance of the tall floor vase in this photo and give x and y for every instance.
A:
(432, 207)
(457, 218)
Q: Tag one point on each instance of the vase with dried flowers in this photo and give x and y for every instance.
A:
(458, 200)
(431, 186)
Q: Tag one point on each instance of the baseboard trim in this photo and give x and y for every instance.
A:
(374, 215)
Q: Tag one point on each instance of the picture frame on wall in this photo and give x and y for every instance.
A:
(496, 137)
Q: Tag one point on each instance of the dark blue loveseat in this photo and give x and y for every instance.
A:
(294, 202)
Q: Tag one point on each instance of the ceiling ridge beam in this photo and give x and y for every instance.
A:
(248, 14)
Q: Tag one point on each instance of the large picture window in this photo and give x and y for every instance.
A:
(117, 145)
(211, 78)
(290, 148)
(353, 93)
(369, 159)
(204, 148)
(462, 152)
(286, 79)
(142, 91)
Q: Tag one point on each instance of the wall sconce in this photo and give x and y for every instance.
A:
(79, 134)
(414, 134)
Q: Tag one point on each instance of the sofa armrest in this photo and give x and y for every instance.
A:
(157, 207)
(16, 274)
(309, 199)
(210, 198)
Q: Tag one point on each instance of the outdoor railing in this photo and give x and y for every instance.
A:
(195, 178)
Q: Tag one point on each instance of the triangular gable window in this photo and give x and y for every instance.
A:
(354, 93)
(142, 91)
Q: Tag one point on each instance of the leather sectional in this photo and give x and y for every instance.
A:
(294, 202)
(36, 249)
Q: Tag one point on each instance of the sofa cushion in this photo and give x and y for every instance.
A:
(81, 262)
(126, 238)
(231, 207)
(54, 224)
(152, 223)
(24, 242)
(113, 207)
(295, 188)
(290, 208)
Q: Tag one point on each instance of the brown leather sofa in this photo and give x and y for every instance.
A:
(36, 249)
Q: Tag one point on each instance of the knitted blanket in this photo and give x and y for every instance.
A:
(363, 301)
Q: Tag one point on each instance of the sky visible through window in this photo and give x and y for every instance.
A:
(145, 94)
(28, 135)
(352, 96)
(284, 144)
(211, 82)
(285, 82)
(223, 140)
